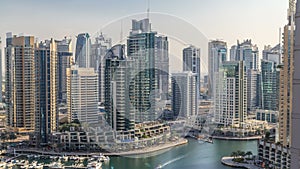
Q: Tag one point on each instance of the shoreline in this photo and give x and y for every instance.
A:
(228, 162)
(237, 138)
(128, 153)
(150, 149)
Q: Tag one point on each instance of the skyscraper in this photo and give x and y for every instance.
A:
(141, 48)
(118, 69)
(286, 80)
(98, 50)
(269, 85)
(82, 51)
(184, 94)
(191, 61)
(217, 55)
(252, 86)
(233, 51)
(286, 154)
(1, 70)
(21, 80)
(162, 65)
(295, 124)
(65, 55)
(272, 54)
(231, 96)
(82, 94)
(46, 61)
(247, 52)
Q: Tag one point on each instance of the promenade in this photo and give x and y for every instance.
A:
(237, 138)
(90, 154)
(228, 162)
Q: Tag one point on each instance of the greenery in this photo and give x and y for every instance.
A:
(267, 136)
(239, 156)
(239, 160)
(144, 136)
(67, 126)
(8, 136)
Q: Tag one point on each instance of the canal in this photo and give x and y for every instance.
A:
(193, 155)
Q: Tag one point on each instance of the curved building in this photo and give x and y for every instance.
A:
(82, 53)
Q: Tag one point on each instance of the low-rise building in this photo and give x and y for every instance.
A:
(269, 116)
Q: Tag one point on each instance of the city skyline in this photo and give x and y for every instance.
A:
(118, 78)
(250, 23)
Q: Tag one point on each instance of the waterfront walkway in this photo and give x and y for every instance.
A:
(127, 153)
(228, 161)
(237, 138)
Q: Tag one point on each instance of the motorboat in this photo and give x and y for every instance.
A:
(102, 158)
(94, 165)
(56, 165)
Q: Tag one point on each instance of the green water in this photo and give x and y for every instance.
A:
(190, 156)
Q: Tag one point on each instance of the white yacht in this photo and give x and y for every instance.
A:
(94, 165)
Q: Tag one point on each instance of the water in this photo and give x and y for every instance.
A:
(190, 156)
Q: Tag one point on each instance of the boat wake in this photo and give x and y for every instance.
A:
(170, 162)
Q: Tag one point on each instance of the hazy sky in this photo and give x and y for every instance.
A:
(229, 20)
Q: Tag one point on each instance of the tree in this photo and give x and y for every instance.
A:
(12, 136)
(234, 154)
(249, 154)
(242, 153)
(267, 136)
(3, 137)
(76, 121)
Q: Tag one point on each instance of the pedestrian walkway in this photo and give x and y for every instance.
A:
(228, 161)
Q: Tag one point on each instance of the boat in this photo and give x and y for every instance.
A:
(158, 167)
(102, 158)
(205, 139)
(94, 165)
(23, 164)
(35, 165)
(56, 165)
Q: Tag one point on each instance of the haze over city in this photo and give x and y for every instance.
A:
(149, 84)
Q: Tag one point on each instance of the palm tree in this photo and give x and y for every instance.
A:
(234, 154)
(243, 154)
(12, 136)
(249, 154)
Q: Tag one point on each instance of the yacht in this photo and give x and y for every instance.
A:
(56, 165)
(94, 165)
(158, 167)
(102, 158)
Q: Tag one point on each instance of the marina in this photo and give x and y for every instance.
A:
(195, 154)
(55, 162)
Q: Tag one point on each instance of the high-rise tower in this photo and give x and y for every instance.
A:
(286, 79)
(21, 80)
(295, 144)
(231, 94)
(217, 55)
(191, 61)
(82, 51)
(141, 48)
(184, 94)
(82, 95)
(46, 61)
(65, 55)
(118, 69)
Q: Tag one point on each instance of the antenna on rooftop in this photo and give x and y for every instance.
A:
(121, 34)
(148, 9)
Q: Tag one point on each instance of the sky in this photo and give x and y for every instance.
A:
(228, 20)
